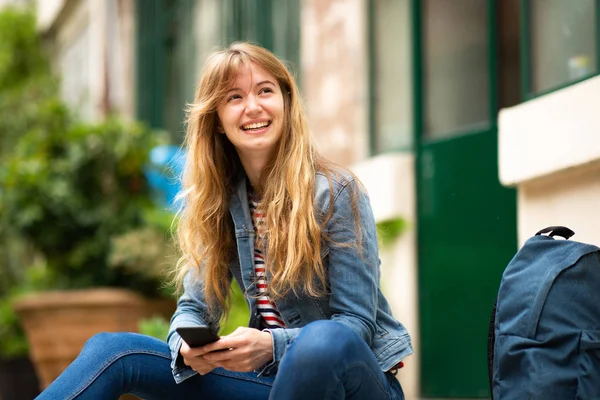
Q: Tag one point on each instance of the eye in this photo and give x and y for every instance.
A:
(233, 97)
(265, 90)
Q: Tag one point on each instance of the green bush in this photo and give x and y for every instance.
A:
(26, 84)
(68, 190)
(238, 314)
(389, 230)
(13, 343)
(158, 327)
(26, 87)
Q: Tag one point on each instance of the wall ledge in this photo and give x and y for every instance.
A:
(550, 134)
(389, 180)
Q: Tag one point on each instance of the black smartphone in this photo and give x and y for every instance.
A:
(197, 336)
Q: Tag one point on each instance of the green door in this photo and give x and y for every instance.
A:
(165, 63)
(466, 219)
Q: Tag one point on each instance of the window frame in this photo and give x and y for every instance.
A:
(526, 57)
(240, 21)
(155, 48)
(372, 95)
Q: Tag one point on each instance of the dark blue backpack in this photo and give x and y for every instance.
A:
(545, 332)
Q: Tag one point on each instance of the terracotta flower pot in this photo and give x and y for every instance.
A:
(58, 323)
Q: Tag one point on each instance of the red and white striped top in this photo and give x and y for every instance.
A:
(266, 308)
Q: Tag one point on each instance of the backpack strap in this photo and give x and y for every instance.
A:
(561, 231)
(490, 350)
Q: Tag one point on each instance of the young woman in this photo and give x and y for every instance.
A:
(298, 236)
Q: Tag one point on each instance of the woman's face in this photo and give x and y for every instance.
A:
(252, 113)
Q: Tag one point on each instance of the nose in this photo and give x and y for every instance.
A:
(253, 105)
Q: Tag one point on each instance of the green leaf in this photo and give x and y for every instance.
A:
(389, 230)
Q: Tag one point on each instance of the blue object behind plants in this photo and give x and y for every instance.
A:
(163, 173)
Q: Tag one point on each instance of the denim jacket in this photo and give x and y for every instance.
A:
(354, 296)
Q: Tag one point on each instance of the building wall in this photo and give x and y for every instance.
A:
(549, 148)
(92, 46)
(390, 182)
(207, 30)
(334, 64)
(570, 198)
(47, 12)
(335, 76)
(18, 3)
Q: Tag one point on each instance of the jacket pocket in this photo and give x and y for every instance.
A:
(588, 385)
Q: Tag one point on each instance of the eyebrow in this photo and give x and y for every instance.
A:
(258, 84)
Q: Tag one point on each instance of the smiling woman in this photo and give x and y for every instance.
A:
(296, 233)
(251, 116)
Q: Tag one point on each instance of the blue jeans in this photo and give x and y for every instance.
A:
(326, 361)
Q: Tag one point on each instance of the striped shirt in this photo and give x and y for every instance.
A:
(266, 308)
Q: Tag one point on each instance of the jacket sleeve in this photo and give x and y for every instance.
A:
(192, 310)
(353, 270)
(354, 262)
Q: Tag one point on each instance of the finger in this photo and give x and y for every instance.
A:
(203, 372)
(220, 356)
(203, 369)
(186, 351)
(230, 342)
(225, 343)
(199, 364)
(238, 367)
(184, 347)
(239, 331)
(212, 348)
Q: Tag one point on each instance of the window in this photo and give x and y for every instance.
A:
(562, 42)
(391, 75)
(456, 67)
(165, 62)
(274, 24)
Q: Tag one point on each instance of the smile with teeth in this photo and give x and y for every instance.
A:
(257, 125)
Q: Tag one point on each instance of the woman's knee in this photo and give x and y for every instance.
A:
(109, 343)
(327, 341)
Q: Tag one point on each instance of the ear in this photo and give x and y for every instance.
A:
(220, 127)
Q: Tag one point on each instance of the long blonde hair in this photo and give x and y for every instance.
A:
(205, 229)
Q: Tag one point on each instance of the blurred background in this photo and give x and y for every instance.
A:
(472, 123)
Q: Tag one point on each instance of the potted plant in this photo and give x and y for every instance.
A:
(72, 190)
(22, 80)
(69, 189)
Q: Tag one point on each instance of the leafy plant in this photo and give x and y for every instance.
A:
(238, 314)
(146, 250)
(69, 189)
(13, 343)
(157, 327)
(26, 84)
(26, 89)
(390, 229)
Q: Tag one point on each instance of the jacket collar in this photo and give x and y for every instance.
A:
(238, 204)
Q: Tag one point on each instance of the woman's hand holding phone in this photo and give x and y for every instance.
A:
(193, 358)
(192, 349)
(249, 349)
(244, 350)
